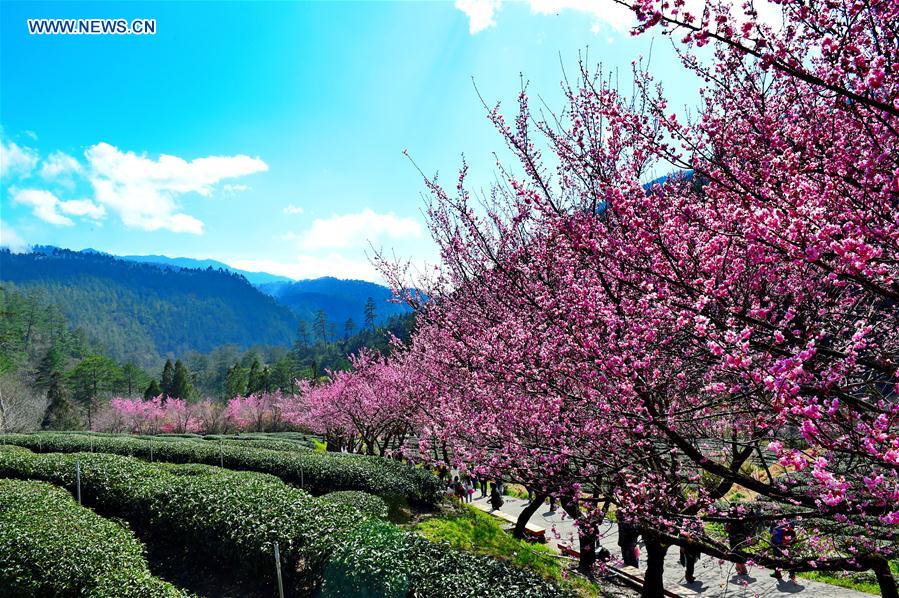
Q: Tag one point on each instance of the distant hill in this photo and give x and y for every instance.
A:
(139, 311)
(340, 299)
(255, 278)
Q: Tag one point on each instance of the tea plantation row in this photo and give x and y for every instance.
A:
(232, 518)
(52, 546)
(318, 473)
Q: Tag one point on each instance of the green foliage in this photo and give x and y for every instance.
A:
(315, 472)
(51, 546)
(473, 530)
(379, 559)
(230, 517)
(181, 386)
(60, 414)
(861, 581)
(369, 505)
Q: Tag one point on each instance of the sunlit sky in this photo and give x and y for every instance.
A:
(270, 136)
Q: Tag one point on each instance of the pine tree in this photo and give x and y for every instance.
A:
(50, 364)
(168, 377)
(254, 378)
(302, 335)
(132, 376)
(181, 386)
(152, 391)
(370, 314)
(321, 325)
(236, 381)
(348, 328)
(60, 414)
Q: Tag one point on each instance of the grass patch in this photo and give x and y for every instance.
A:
(473, 530)
(861, 581)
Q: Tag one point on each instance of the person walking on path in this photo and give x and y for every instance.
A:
(738, 537)
(496, 499)
(459, 489)
(627, 540)
(782, 536)
(688, 557)
(483, 486)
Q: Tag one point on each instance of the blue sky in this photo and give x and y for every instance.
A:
(270, 135)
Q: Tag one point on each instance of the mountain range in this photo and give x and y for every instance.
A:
(145, 308)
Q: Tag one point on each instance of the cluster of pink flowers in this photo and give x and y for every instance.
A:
(255, 413)
(731, 326)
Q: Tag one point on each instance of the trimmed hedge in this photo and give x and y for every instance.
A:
(52, 546)
(231, 517)
(271, 444)
(369, 505)
(380, 560)
(318, 473)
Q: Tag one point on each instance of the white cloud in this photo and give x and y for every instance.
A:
(11, 240)
(142, 191)
(50, 208)
(308, 266)
(82, 207)
(16, 160)
(604, 12)
(349, 230)
(292, 209)
(60, 164)
(235, 188)
(480, 13)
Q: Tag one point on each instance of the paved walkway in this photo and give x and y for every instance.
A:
(714, 578)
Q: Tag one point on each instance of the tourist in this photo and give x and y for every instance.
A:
(469, 488)
(738, 537)
(483, 486)
(782, 535)
(496, 499)
(627, 540)
(459, 489)
(688, 557)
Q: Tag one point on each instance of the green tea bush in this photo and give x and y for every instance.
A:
(318, 473)
(369, 505)
(272, 444)
(52, 546)
(381, 560)
(230, 517)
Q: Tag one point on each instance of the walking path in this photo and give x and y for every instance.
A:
(714, 578)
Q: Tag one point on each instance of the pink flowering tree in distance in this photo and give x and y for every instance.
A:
(368, 409)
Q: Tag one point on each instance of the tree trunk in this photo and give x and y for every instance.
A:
(653, 584)
(885, 579)
(586, 536)
(526, 514)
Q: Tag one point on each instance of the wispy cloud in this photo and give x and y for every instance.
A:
(292, 209)
(143, 191)
(49, 208)
(10, 239)
(355, 230)
(16, 160)
(313, 266)
(482, 14)
(60, 164)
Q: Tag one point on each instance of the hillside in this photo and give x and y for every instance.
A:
(140, 312)
(339, 299)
